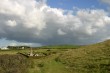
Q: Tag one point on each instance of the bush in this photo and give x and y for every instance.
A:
(41, 65)
(14, 64)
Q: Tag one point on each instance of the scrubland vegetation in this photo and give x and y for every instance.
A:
(89, 59)
(14, 64)
(83, 59)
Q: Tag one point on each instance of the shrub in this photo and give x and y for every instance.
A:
(14, 64)
(41, 65)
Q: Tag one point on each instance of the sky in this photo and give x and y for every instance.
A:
(53, 22)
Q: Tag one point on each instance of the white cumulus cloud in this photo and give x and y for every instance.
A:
(33, 21)
(11, 23)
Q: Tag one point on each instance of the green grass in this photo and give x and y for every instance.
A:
(49, 65)
(46, 64)
(61, 46)
(93, 58)
(88, 59)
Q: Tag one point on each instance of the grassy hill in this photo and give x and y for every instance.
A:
(61, 47)
(88, 59)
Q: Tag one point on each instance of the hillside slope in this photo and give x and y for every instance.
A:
(88, 59)
(61, 47)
